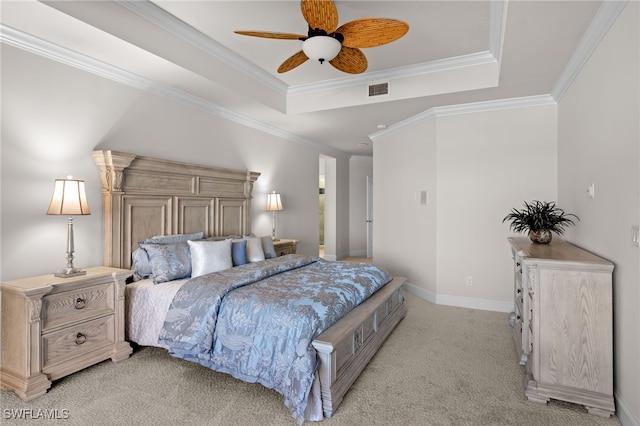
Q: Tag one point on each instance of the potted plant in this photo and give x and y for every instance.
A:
(539, 219)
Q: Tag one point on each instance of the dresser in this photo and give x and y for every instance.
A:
(285, 246)
(52, 327)
(562, 323)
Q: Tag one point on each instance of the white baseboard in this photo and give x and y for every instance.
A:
(357, 253)
(459, 301)
(624, 414)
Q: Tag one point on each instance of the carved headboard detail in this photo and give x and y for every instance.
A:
(143, 197)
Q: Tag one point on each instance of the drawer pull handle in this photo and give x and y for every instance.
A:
(80, 303)
(80, 338)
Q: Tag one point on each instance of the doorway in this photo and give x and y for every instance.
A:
(321, 189)
(369, 217)
(327, 214)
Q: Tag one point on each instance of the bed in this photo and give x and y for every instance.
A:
(346, 309)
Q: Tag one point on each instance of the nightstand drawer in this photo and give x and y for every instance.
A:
(68, 307)
(57, 326)
(71, 342)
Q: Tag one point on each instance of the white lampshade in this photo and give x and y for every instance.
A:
(69, 198)
(274, 204)
(321, 48)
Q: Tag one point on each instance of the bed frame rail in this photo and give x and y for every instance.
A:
(346, 348)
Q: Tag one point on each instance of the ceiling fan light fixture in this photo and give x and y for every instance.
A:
(321, 48)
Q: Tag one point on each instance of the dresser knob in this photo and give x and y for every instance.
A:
(80, 303)
(80, 338)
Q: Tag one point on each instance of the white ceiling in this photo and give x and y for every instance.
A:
(456, 52)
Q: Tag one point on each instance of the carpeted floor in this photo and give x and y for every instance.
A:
(441, 366)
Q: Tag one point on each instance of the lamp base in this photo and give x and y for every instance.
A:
(67, 273)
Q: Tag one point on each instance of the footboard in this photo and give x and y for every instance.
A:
(345, 348)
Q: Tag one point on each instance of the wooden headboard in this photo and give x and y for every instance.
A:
(143, 197)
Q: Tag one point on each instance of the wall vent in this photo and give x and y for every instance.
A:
(378, 89)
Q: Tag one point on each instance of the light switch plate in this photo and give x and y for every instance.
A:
(424, 197)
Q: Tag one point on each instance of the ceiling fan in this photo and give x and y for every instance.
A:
(338, 46)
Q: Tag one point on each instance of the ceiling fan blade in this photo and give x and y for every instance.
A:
(321, 14)
(371, 32)
(295, 60)
(265, 34)
(350, 60)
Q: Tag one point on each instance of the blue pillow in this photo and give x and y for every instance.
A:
(141, 265)
(268, 248)
(239, 252)
(168, 261)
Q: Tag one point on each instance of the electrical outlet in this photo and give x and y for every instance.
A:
(469, 281)
(635, 236)
(591, 191)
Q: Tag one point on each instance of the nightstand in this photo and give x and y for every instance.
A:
(284, 246)
(52, 327)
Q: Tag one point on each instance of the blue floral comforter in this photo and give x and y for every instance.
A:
(256, 321)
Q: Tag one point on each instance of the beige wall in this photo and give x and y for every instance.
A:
(475, 167)
(54, 115)
(599, 142)
(404, 237)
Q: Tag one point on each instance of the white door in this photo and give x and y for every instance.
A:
(369, 220)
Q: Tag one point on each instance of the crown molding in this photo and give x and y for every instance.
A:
(497, 24)
(476, 107)
(46, 49)
(394, 73)
(361, 157)
(602, 21)
(600, 25)
(497, 21)
(163, 19)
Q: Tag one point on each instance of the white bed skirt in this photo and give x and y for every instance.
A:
(146, 306)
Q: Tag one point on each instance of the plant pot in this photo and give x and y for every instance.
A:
(542, 236)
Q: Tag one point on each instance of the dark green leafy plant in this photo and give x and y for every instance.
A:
(538, 216)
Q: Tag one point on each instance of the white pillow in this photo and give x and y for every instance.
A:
(254, 249)
(210, 256)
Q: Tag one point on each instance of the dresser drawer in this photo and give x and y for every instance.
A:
(72, 342)
(68, 307)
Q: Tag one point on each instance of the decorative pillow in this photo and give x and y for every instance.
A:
(140, 264)
(267, 248)
(209, 256)
(176, 238)
(239, 252)
(168, 261)
(226, 237)
(254, 250)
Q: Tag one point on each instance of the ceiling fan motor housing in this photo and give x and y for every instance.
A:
(321, 47)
